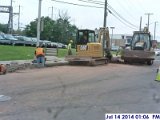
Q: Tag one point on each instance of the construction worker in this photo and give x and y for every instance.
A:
(70, 47)
(40, 55)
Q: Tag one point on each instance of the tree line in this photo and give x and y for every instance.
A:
(60, 30)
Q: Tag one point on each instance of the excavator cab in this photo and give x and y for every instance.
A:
(85, 36)
(141, 41)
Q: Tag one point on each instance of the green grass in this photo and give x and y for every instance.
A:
(16, 52)
(64, 52)
(26, 53)
(23, 53)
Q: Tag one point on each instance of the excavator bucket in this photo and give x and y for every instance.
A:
(138, 56)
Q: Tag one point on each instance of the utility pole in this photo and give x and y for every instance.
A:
(52, 13)
(19, 17)
(104, 24)
(39, 22)
(155, 30)
(112, 35)
(10, 24)
(105, 14)
(140, 26)
(148, 19)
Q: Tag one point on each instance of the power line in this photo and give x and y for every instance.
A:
(76, 4)
(122, 21)
(111, 10)
(93, 2)
(100, 3)
(121, 16)
(126, 7)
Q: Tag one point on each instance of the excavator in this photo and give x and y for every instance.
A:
(89, 50)
(140, 49)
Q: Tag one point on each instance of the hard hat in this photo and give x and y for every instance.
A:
(71, 41)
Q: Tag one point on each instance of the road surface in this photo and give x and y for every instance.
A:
(79, 92)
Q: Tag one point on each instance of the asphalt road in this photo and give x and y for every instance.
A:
(80, 92)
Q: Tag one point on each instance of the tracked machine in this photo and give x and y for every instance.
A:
(89, 50)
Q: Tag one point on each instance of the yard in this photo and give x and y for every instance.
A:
(22, 52)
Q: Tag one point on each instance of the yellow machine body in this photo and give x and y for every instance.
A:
(90, 50)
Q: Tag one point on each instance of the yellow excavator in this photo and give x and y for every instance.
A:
(89, 50)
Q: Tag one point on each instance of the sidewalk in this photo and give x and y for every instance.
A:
(24, 64)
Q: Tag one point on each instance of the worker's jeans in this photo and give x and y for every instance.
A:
(40, 61)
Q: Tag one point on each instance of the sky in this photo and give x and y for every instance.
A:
(124, 15)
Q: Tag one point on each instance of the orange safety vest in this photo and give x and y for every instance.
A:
(39, 51)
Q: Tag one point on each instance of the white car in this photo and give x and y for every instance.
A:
(157, 52)
(115, 48)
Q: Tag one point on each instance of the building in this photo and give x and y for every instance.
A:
(120, 39)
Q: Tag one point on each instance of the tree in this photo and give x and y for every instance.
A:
(59, 30)
(31, 29)
(3, 28)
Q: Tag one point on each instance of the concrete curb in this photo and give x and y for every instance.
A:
(14, 65)
(56, 64)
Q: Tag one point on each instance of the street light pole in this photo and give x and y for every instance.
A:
(19, 17)
(104, 24)
(11, 18)
(112, 35)
(39, 22)
(155, 30)
(148, 19)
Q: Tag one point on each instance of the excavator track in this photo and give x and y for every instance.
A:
(89, 61)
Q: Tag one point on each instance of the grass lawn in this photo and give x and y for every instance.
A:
(64, 52)
(16, 52)
(23, 53)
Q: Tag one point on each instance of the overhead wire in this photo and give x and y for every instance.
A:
(100, 3)
(126, 7)
(123, 21)
(90, 1)
(76, 4)
(110, 9)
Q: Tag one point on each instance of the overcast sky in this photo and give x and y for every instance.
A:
(91, 18)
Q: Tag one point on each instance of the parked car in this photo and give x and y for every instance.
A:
(21, 40)
(61, 45)
(4, 41)
(11, 38)
(34, 40)
(46, 43)
(115, 48)
(157, 52)
(54, 44)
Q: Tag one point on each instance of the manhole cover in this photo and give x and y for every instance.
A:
(4, 98)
